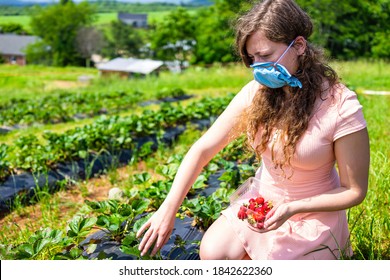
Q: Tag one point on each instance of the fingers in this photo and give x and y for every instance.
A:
(154, 236)
(274, 221)
(161, 240)
(270, 213)
(143, 228)
(146, 238)
(269, 223)
(147, 241)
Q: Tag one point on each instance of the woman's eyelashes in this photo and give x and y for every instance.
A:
(259, 58)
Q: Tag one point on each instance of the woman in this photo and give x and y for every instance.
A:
(301, 121)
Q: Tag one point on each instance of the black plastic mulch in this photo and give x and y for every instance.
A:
(25, 185)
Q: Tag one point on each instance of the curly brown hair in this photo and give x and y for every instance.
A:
(283, 21)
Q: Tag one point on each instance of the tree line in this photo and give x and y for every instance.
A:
(347, 29)
(102, 6)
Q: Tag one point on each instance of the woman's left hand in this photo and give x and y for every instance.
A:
(275, 218)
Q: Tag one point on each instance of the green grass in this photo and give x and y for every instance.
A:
(371, 219)
(22, 20)
(33, 80)
(365, 74)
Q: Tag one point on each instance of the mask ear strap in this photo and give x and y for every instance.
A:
(285, 51)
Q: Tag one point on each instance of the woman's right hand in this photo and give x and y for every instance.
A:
(156, 230)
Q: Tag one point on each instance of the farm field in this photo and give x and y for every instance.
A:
(79, 208)
(101, 19)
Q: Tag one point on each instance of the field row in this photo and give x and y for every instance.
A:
(68, 106)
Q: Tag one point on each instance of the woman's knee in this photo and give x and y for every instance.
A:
(210, 248)
(220, 242)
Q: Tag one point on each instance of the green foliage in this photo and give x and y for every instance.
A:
(38, 243)
(39, 53)
(117, 217)
(381, 44)
(5, 165)
(205, 210)
(173, 37)
(58, 25)
(15, 28)
(214, 37)
(65, 106)
(122, 40)
(46, 244)
(101, 6)
(346, 29)
(33, 156)
(79, 226)
(350, 28)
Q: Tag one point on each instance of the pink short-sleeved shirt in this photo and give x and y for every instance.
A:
(312, 172)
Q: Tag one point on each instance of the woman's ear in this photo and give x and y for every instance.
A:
(300, 45)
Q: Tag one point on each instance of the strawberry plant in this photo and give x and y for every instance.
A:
(110, 134)
(231, 176)
(45, 244)
(5, 166)
(33, 156)
(168, 170)
(156, 192)
(130, 242)
(40, 243)
(65, 107)
(204, 210)
(116, 217)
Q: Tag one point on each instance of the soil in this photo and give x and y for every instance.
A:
(63, 85)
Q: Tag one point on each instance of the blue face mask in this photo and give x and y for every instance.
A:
(273, 74)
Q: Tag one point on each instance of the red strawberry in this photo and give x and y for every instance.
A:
(259, 217)
(242, 215)
(262, 210)
(259, 200)
(267, 206)
(260, 225)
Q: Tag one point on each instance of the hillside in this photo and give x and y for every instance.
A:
(45, 2)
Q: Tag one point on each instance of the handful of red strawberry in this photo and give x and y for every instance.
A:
(255, 211)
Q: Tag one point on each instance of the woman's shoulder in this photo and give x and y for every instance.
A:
(339, 93)
(248, 92)
(346, 110)
(339, 96)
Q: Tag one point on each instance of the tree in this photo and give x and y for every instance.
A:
(89, 41)
(349, 28)
(381, 45)
(215, 32)
(39, 53)
(15, 28)
(122, 40)
(64, 2)
(174, 37)
(58, 25)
